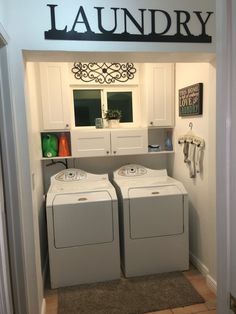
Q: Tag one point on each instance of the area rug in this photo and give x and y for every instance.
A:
(129, 296)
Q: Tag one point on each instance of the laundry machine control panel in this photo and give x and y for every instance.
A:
(132, 171)
(71, 175)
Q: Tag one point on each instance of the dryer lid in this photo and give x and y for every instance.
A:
(152, 191)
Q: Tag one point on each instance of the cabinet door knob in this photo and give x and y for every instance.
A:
(114, 152)
(108, 152)
(151, 122)
(67, 125)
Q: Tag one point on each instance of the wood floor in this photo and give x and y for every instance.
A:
(193, 275)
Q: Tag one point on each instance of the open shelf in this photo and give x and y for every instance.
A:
(57, 134)
(157, 136)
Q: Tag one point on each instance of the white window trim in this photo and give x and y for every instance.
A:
(104, 89)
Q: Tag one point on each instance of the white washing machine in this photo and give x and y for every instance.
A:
(153, 209)
(83, 232)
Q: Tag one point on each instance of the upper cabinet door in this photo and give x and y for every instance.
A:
(129, 141)
(55, 96)
(160, 94)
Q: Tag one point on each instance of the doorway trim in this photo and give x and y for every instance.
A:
(224, 161)
(10, 188)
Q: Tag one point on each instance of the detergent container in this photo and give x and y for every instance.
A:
(50, 145)
(63, 146)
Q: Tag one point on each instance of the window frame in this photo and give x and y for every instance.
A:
(104, 90)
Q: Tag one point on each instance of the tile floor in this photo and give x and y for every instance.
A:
(193, 275)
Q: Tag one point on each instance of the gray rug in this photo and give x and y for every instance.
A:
(129, 296)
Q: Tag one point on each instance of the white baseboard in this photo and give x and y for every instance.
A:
(198, 264)
(212, 284)
(43, 307)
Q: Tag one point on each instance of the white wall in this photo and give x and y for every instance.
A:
(34, 127)
(3, 12)
(31, 35)
(202, 188)
(3, 21)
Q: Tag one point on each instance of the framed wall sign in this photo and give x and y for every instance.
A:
(190, 100)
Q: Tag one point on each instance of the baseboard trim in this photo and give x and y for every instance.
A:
(212, 284)
(43, 307)
(198, 264)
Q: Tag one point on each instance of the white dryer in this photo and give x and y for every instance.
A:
(83, 232)
(153, 210)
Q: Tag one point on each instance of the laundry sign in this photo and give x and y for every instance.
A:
(190, 100)
(139, 24)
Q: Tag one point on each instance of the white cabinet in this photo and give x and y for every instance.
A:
(105, 142)
(159, 94)
(129, 141)
(89, 143)
(55, 96)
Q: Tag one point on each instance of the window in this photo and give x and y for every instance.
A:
(123, 102)
(90, 104)
(87, 107)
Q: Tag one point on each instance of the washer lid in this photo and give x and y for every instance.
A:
(153, 191)
(83, 197)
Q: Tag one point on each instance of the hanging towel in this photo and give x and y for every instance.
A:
(191, 160)
(192, 150)
(200, 144)
(199, 151)
(186, 151)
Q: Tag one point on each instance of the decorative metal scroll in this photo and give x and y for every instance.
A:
(104, 72)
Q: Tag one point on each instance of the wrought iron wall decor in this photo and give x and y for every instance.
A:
(104, 72)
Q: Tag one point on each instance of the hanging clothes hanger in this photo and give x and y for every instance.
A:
(190, 137)
(193, 147)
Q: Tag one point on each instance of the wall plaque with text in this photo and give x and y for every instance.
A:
(190, 100)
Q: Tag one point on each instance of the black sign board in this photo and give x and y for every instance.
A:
(190, 100)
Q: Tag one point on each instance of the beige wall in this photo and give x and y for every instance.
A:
(202, 188)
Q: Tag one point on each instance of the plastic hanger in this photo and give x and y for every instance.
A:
(190, 137)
